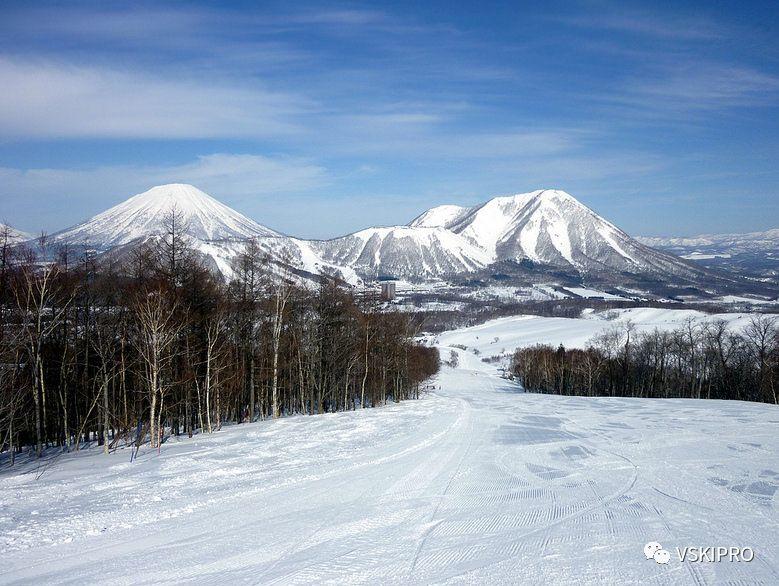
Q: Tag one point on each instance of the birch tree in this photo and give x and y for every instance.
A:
(157, 330)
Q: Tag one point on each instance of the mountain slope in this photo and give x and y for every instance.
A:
(13, 235)
(404, 251)
(144, 215)
(528, 235)
(215, 231)
(550, 227)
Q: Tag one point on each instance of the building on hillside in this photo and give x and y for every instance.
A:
(388, 290)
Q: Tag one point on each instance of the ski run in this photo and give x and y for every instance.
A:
(477, 482)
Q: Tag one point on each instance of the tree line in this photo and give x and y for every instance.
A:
(129, 348)
(697, 360)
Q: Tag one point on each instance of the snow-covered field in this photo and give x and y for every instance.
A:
(502, 336)
(475, 483)
(592, 293)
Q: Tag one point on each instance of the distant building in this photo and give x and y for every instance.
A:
(388, 291)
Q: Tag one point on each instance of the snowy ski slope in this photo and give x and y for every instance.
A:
(476, 483)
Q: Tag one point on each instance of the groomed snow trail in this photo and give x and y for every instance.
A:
(475, 483)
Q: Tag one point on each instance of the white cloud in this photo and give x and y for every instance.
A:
(46, 99)
(704, 85)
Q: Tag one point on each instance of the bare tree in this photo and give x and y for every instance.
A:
(283, 290)
(763, 343)
(124, 340)
(214, 357)
(175, 252)
(36, 291)
(157, 329)
(250, 267)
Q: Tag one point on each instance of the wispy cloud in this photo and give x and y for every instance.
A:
(681, 89)
(184, 25)
(336, 17)
(379, 104)
(434, 131)
(57, 100)
(702, 85)
(633, 22)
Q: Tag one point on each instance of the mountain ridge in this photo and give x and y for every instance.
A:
(763, 239)
(545, 228)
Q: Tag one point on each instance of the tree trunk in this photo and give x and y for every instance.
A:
(105, 413)
(37, 402)
(251, 385)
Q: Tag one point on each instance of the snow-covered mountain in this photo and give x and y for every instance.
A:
(551, 227)
(292, 257)
(754, 255)
(145, 214)
(215, 230)
(548, 227)
(544, 228)
(13, 235)
(405, 251)
(722, 243)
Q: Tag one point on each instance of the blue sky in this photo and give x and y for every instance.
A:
(318, 119)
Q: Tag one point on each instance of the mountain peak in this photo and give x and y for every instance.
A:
(546, 195)
(181, 195)
(439, 216)
(447, 215)
(557, 194)
(549, 227)
(143, 215)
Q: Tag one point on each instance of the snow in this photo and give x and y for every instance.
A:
(475, 483)
(215, 230)
(703, 256)
(14, 236)
(737, 299)
(431, 306)
(505, 293)
(547, 226)
(551, 292)
(404, 251)
(608, 232)
(440, 216)
(750, 240)
(489, 223)
(590, 293)
(557, 227)
(500, 337)
(143, 215)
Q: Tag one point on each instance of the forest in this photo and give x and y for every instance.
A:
(129, 349)
(697, 360)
